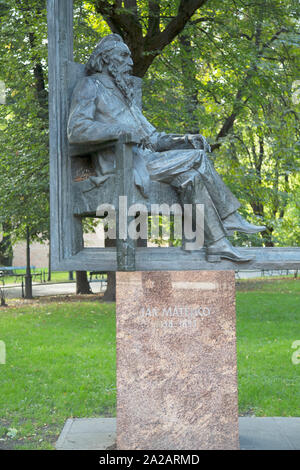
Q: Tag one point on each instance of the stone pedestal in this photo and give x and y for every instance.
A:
(176, 361)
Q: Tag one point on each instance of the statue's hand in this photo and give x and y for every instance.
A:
(127, 135)
(130, 138)
(198, 141)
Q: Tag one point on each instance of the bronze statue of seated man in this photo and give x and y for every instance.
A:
(103, 108)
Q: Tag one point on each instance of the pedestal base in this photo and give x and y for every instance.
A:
(176, 361)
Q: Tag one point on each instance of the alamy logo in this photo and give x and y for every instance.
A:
(296, 92)
(2, 352)
(132, 222)
(2, 92)
(296, 354)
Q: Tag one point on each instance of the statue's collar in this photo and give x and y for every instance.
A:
(108, 82)
(105, 79)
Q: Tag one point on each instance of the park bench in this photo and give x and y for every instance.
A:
(100, 276)
(11, 271)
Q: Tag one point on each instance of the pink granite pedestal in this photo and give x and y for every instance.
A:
(176, 361)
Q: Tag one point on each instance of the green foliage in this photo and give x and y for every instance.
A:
(231, 75)
(24, 153)
(23, 120)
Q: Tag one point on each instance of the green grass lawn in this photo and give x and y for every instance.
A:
(268, 322)
(56, 276)
(61, 361)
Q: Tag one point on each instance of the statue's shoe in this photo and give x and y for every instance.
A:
(98, 180)
(236, 223)
(223, 249)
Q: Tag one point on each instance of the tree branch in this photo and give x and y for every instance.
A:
(128, 23)
(131, 4)
(124, 22)
(274, 37)
(229, 121)
(154, 19)
(202, 19)
(186, 10)
(238, 104)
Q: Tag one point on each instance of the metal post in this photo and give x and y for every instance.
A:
(124, 186)
(66, 230)
(28, 277)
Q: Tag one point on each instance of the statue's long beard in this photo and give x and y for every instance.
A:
(123, 81)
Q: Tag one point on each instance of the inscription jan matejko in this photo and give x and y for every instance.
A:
(170, 317)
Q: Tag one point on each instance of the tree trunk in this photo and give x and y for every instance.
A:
(110, 293)
(267, 236)
(49, 263)
(6, 250)
(190, 84)
(127, 19)
(82, 283)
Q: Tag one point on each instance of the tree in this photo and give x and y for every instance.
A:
(82, 284)
(147, 27)
(6, 253)
(24, 155)
(224, 68)
(23, 122)
(236, 64)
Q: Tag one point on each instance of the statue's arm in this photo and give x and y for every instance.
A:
(178, 141)
(83, 127)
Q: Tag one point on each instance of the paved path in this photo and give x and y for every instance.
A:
(13, 291)
(261, 274)
(255, 434)
(40, 290)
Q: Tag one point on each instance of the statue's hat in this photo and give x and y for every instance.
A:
(108, 43)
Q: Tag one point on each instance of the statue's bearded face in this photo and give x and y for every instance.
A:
(119, 65)
(120, 57)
